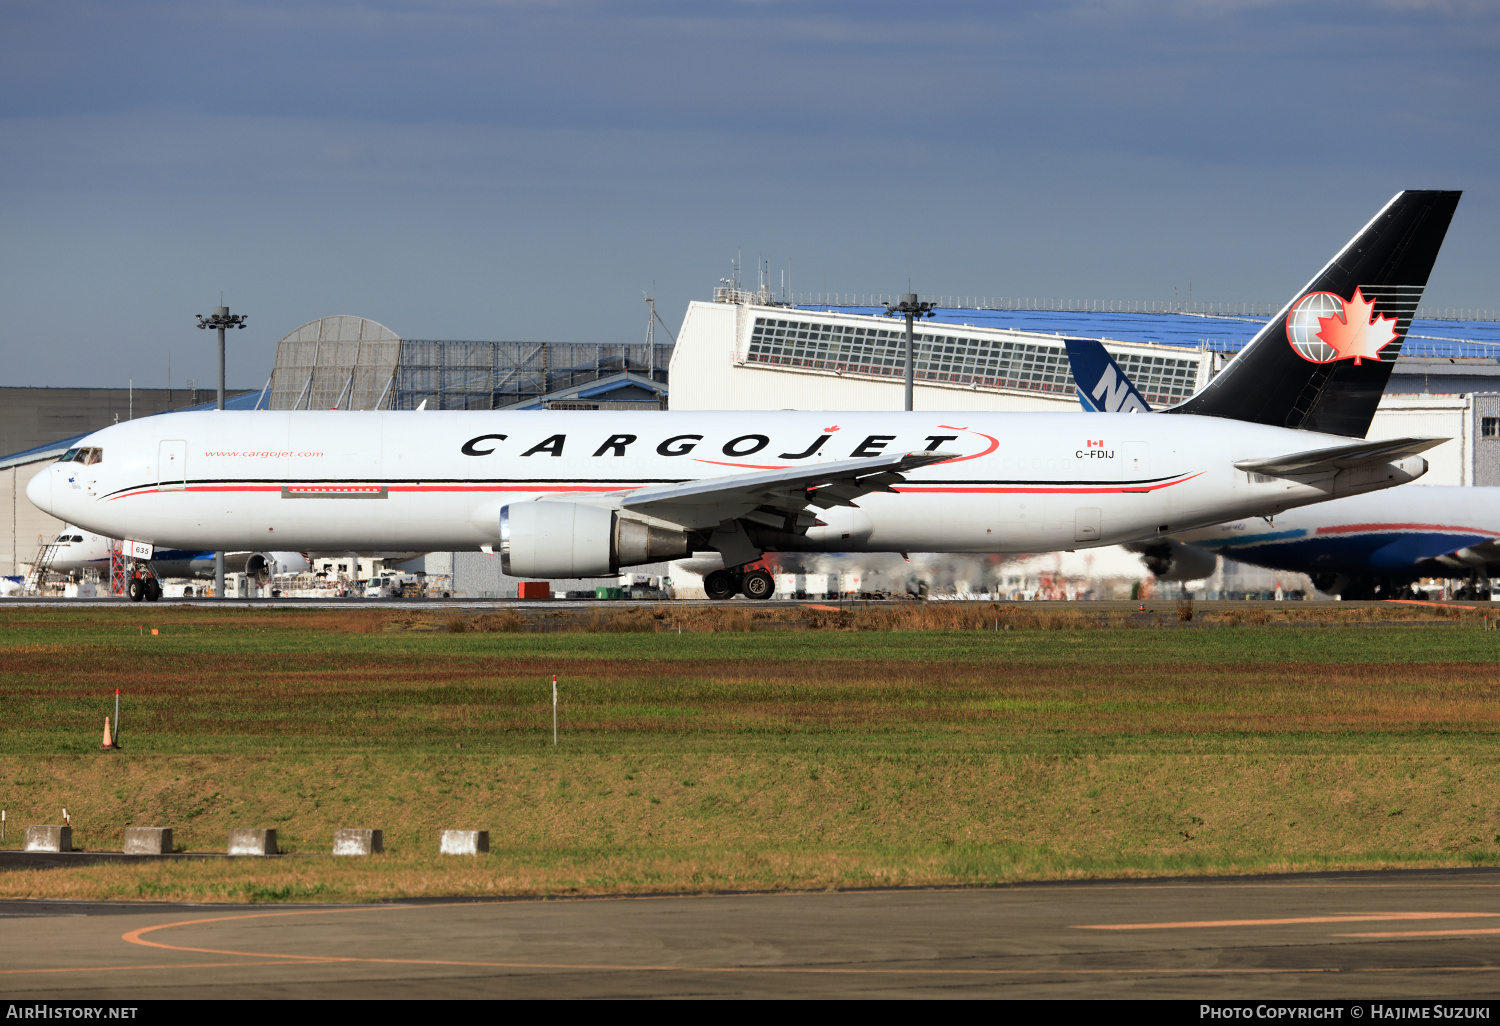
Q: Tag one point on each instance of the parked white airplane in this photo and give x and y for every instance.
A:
(76, 550)
(578, 494)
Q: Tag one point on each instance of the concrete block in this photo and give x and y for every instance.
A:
(249, 841)
(357, 842)
(49, 838)
(148, 840)
(465, 842)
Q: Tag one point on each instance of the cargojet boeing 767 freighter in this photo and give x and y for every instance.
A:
(581, 494)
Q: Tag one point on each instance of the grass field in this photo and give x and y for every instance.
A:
(914, 743)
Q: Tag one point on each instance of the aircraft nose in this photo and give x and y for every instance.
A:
(39, 491)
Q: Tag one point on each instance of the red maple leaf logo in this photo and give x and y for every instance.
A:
(1356, 333)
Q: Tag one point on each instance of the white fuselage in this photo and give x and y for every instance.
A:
(426, 481)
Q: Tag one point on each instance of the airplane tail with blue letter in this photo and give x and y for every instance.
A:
(1101, 384)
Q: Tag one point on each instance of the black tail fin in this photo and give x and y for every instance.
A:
(1323, 362)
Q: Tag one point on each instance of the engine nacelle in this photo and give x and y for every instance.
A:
(261, 565)
(1170, 560)
(569, 539)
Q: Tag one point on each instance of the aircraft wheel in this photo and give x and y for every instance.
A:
(720, 585)
(758, 584)
(153, 589)
(136, 590)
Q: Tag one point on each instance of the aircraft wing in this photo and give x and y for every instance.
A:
(1470, 557)
(1339, 457)
(774, 496)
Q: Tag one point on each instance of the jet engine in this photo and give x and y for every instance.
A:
(569, 539)
(1169, 560)
(261, 565)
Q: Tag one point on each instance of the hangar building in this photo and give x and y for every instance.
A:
(353, 363)
(744, 351)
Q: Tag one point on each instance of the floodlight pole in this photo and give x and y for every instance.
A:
(912, 308)
(221, 319)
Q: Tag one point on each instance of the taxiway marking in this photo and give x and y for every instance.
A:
(1384, 917)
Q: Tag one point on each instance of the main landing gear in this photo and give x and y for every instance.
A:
(725, 584)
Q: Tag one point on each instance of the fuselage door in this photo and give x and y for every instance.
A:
(171, 466)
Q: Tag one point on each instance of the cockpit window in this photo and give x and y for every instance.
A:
(69, 456)
(91, 456)
(77, 537)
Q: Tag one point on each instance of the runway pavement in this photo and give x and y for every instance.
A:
(1432, 935)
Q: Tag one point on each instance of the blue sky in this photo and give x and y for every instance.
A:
(509, 170)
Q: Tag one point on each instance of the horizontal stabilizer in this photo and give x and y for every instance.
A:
(1339, 457)
(790, 490)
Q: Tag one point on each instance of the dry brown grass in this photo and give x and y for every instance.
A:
(499, 623)
(734, 617)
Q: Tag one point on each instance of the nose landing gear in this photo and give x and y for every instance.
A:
(142, 583)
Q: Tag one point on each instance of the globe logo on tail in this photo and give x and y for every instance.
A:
(1324, 328)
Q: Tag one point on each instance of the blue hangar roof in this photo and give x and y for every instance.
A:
(1426, 337)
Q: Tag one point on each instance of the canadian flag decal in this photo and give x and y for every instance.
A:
(1090, 443)
(1323, 328)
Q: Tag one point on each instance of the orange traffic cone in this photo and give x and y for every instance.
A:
(109, 742)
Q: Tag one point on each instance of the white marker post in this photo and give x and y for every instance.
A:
(117, 717)
(554, 708)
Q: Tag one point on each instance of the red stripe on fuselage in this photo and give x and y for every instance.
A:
(915, 489)
(312, 493)
(1365, 528)
(751, 466)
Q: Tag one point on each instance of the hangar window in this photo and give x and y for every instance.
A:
(880, 352)
(1489, 427)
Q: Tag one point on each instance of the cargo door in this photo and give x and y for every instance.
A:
(1086, 524)
(1136, 461)
(171, 466)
